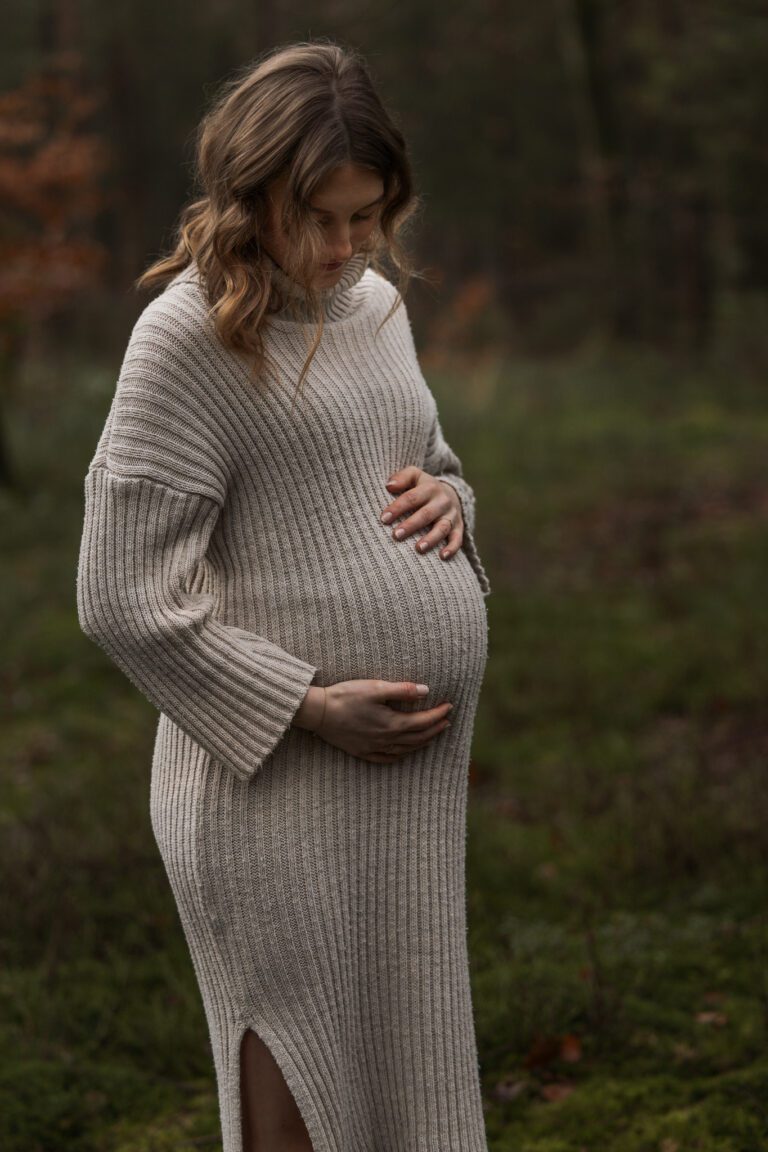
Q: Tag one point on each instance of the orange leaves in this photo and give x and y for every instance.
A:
(471, 325)
(555, 1092)
(570, 1048)
(474, 295)
(37, 274)
(43, 183)
(25, 112)
(544, 1052)
(52, 163)
(546, 1049)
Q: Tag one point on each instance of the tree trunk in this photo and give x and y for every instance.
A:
(601, 99)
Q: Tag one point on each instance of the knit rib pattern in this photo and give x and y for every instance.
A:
(232, 554)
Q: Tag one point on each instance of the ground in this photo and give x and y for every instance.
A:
(618, 821)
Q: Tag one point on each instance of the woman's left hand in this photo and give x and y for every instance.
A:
(430, 502)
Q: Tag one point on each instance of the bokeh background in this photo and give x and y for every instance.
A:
(595, 329)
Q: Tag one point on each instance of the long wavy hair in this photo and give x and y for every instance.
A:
(304, 108)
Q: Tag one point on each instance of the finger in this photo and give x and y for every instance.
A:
(416, 739)
(384, 690)
(405, 744)
(405, 505)
(453, 543)
(424, 506)
(417, 721)
(441, 532)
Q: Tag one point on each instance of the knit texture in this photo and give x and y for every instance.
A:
(232, 554)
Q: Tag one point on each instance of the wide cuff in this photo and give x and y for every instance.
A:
(232, 691)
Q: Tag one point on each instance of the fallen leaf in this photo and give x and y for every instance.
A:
(719, 1019)
(555, 1092)
(544, 1050)
(570, 1048)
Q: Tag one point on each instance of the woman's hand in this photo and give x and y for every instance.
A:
(357, 716)
(429, 502)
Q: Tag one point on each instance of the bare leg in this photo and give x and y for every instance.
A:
(271, 1118)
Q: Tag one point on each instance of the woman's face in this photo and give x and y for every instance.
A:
(346, 205)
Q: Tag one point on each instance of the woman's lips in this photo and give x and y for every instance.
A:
(332, 267)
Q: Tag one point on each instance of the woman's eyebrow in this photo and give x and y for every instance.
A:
(378, 200)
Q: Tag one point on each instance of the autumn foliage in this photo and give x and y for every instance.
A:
(52, 164)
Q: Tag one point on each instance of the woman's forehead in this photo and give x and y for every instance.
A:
(348, 185)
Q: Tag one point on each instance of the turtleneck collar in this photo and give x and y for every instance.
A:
(295, 294)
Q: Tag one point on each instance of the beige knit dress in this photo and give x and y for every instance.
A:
(232, 554)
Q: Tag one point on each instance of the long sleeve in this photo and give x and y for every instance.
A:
(443, 463)
(146, 593)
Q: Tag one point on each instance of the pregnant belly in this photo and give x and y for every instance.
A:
(382, 610)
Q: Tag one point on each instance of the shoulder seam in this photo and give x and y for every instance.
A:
(141, 478)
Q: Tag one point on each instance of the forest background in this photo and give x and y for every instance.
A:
(594, 177)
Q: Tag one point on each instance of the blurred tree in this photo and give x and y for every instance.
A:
(674, 92)
(51, 165)
(601, 164)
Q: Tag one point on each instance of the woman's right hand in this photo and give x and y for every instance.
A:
(358, 719)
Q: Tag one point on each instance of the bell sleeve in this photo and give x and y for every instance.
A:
(145, 594)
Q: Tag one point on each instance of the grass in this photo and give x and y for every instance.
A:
(618, 824)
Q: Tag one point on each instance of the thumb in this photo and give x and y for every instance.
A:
(402, 690)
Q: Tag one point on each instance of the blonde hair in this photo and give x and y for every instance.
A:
(306, 108)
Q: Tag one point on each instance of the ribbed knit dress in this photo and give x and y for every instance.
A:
(232, 554)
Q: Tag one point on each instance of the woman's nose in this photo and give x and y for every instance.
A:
(339, 246)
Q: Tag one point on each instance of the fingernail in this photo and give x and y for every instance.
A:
(422, 689)
(399, 533)
(386, 517)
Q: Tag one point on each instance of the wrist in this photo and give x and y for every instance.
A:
(311, 711)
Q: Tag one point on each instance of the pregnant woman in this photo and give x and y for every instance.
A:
(278, 552)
